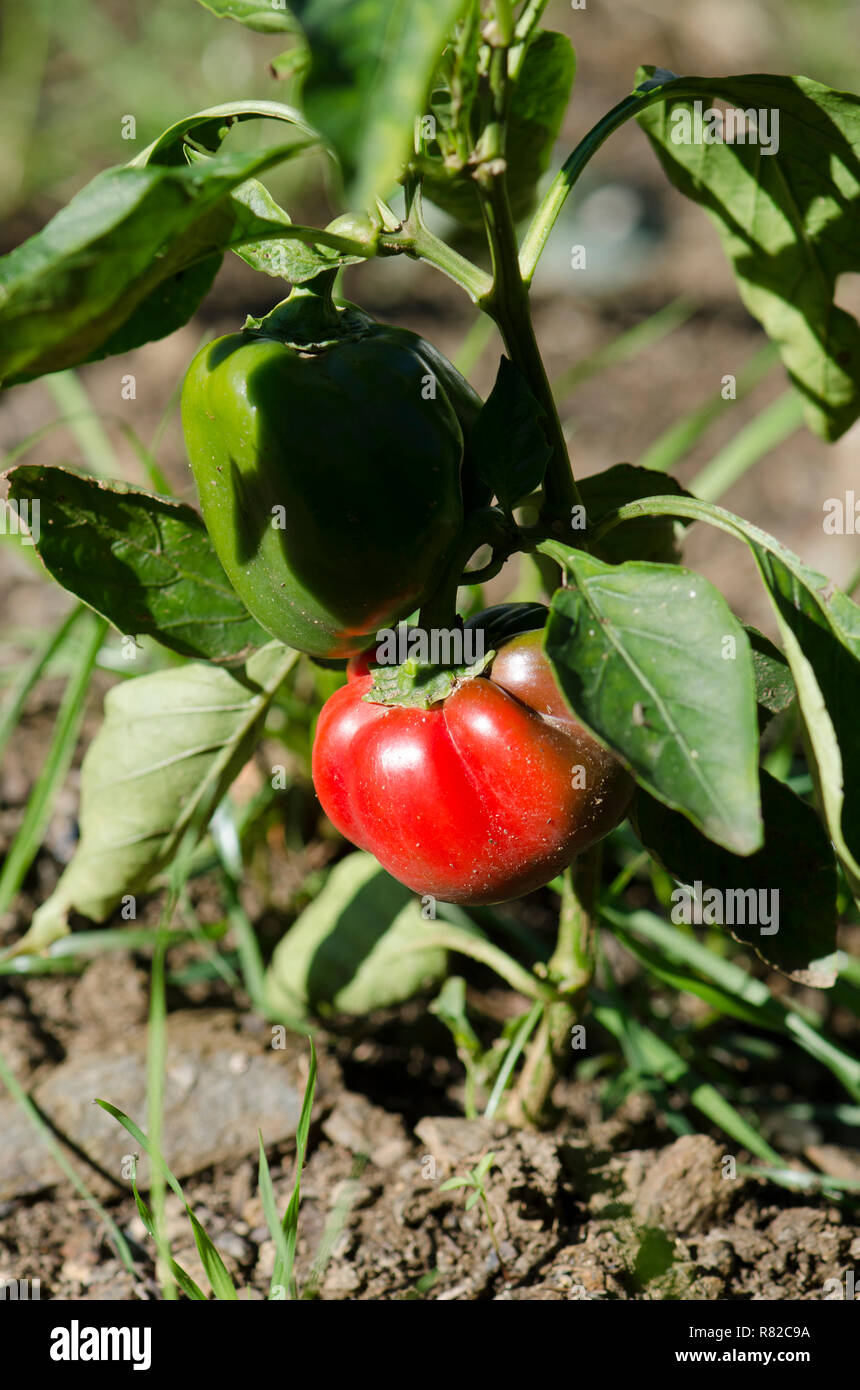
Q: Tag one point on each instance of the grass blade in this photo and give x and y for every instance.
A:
(778, 421)
(770, 1013)
(625, 346)
(677, 441)
(46, 1134)
(652, 1056)
(17, 697)
(52, 774)
(291, 1215)
(518, 1042)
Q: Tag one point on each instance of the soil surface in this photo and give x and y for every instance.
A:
(600, 1207)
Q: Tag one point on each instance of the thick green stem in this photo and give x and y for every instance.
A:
(508, 301)
(570, 969)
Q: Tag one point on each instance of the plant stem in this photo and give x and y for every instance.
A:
(488, 526)
(571, 968)
(508, 301)
(416, 240)
(545, 218)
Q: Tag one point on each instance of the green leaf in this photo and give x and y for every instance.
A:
(214, 1267)
(187, 141)
(183, 1279)
(96, 276)
(640, 653)
(820, 629)
(216, 1271)
(206, 130)
(450, 1007)
(796, 863)
(265, 16)
(372, 62)
(508, 446)
(356, 947)
(145, 563)
(293, 62)
(538, 104)
(652, 538)
(775, 690)
(170, 745)
(789, 220)
(285, 258)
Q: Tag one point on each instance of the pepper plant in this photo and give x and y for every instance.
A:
(351, 481)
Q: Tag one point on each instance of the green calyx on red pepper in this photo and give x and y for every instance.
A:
(327, 450)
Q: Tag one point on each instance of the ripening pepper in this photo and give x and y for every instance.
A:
(485, 794)
(327, 450)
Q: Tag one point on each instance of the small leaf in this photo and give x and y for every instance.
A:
(652, 538)
(294, 62)
(356, 947)
(265, 16)
(796, 863)
(639, 652)
(775, 690)
(508, 446)
(145, 563)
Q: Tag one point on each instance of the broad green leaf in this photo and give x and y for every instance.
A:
(538, 104)
(791, 880)
(652, 538)
(508, 446)
(356, 947)
(265, 16)
(145, 563)
(372, 63)
(170, 745)
(789, 219)
(820, 630)
(655, 664)
(96, 276)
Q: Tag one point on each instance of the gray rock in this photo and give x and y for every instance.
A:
(222, 1085)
